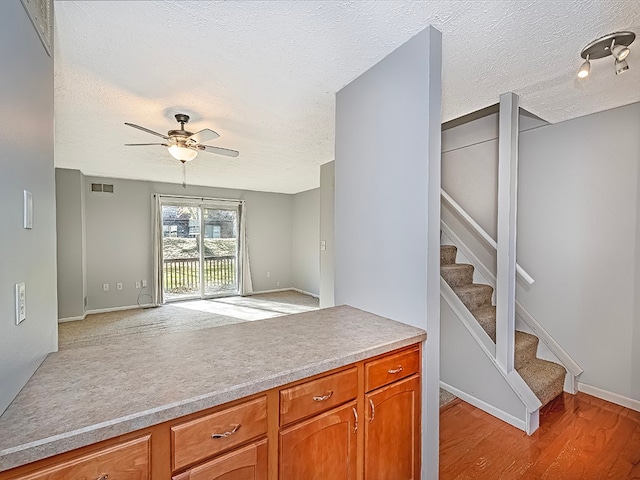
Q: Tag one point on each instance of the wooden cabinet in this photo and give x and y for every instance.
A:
(247, 463)
(125, 461)
(361, 421)
(321, 448)
(392, 431)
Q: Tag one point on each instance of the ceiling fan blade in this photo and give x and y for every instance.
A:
(220, 151)
(145, 144)
(147, 130)
(204, 136)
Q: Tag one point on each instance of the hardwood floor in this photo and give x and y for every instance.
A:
(580, 437)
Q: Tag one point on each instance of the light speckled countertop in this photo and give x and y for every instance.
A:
(85, 395)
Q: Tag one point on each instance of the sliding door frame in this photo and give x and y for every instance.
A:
(203, 203)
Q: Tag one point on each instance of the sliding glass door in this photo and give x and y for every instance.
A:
(220, 272)
(200, 247)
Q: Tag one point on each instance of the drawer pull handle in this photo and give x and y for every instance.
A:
(323, 397)
(226, 434)
(104, 476)
(355, 415)
(373, 411)
(395, 370)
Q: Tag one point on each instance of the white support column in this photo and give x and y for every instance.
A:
(507, 225)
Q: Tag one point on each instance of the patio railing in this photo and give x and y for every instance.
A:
(181, 275)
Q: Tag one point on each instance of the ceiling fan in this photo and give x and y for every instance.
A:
(184, 145)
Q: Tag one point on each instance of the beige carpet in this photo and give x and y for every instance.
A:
(102, 328)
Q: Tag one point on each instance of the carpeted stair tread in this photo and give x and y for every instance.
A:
(474, 295)
(546, 379)
(457, 274)
(448, 254)
(486, 317)
(526, 348)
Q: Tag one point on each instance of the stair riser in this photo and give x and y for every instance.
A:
(524, 354)
(459, 276)
(476, 298)
(448, 254)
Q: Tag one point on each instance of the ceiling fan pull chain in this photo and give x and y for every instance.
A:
(184, 175)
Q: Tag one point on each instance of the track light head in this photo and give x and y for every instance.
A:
(620, 52)
(585, 69)
(621, 66)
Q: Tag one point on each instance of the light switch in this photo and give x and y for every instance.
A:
(21, 302)
(118, 286)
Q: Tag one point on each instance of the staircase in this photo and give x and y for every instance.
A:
(546, 379)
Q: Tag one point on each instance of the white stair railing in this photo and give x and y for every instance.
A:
(480, 231)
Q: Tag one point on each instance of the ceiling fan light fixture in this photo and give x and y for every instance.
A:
(184, 154)
(621, 66)
(585, 69)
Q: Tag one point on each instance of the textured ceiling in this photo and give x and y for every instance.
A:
(264, 75)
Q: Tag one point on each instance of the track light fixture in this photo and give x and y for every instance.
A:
(614, 44)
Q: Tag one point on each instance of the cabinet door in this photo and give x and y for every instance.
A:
(321, 448)
(392, 432)
(247, 463)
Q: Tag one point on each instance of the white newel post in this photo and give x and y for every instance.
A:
(507, 224)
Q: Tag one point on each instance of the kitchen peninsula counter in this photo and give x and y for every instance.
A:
(85, 395)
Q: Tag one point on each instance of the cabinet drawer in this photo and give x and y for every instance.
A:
(125, 461)
(204, 437)
(248, 462)
(317, 395)
(391, 368)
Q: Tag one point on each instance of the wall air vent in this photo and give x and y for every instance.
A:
(102, 187)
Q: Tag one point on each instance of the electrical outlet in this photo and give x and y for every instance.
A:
(118, 286)
(105, 287)
(137, 283)
(323, 245)
(277, 284)
(21, 302)
(268, 274)
(144, 283)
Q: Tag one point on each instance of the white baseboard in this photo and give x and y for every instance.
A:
(72, 319)
(275, 290)
(288, 289)
(490, 409)
(101, 310)
(609, 396)
(305, 292)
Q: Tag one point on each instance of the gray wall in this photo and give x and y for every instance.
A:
(578, 236)
(387, 202)
(70, 242)
(305, 238)
(327, 200)
(473, 184)
(465, 366)
(26, 143)
(118, 237)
